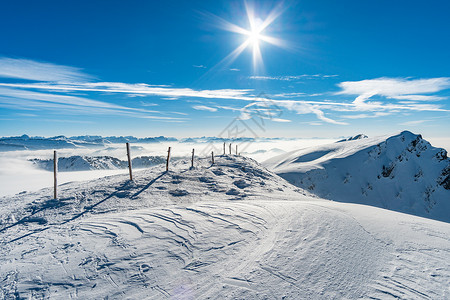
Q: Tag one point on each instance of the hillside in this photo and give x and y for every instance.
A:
(230, 230)
(402, 172)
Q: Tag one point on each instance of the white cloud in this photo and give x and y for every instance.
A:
(234, 69)
(281, 120)
(365, 116)
(412, 123)
(61, 99)
(203, 107)
(292, 77)
(418, 98)
(395, 88)
(289, 95)
(402, 94)
(39, 71)
(149, 104)
(199, 66)
(307, 107)
(229, 108)
(179, 113)
(315, 123)
(301, 107)
(29, 100)
(139, 88)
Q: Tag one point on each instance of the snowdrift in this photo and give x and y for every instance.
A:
(402, 172)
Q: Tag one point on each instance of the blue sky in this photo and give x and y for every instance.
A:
(150, 68)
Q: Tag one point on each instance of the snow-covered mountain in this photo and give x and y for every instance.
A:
(26, 142)
(84, 163)
(232, 230)
(353, 138)
(402, 172)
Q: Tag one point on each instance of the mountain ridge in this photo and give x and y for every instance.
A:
(401, 172)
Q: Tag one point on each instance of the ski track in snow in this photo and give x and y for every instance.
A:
(232, 230)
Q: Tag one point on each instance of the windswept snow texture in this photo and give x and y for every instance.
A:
(232, 230)
(401, 172)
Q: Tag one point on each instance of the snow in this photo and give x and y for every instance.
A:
(18, 173)
(230, 230)
(84, 163)
(402, 172)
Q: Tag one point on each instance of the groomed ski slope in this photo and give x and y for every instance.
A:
(231, 230)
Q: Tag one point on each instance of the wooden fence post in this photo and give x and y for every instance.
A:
(230, 148)
(212, 157)
(55, 175)
(129, 161)
(167, 162)
(236, 150)
(192, 159)
(223, 148)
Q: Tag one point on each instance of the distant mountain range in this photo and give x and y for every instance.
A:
(85, 163)
(401, 172)
(26, 142)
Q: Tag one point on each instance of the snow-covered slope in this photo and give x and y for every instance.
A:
(401, 172)
(84, 163)
(232, 230)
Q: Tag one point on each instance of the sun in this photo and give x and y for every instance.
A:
(255, 35)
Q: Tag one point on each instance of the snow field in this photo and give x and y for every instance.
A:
(231, 230)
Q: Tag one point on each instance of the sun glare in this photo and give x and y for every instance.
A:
(255, 35)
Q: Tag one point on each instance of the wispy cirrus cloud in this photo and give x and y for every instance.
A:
(31, 100)
(204, 107)
(57, 85)
(365, 116)
(19, 68)
(414, 122)
(292, 77)
(281, 120)
(317, 108)
(268, 108)
(395, 88)
(138, 88)
(289, 95)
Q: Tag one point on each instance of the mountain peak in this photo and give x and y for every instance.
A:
(353, 138)
(402, 172)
